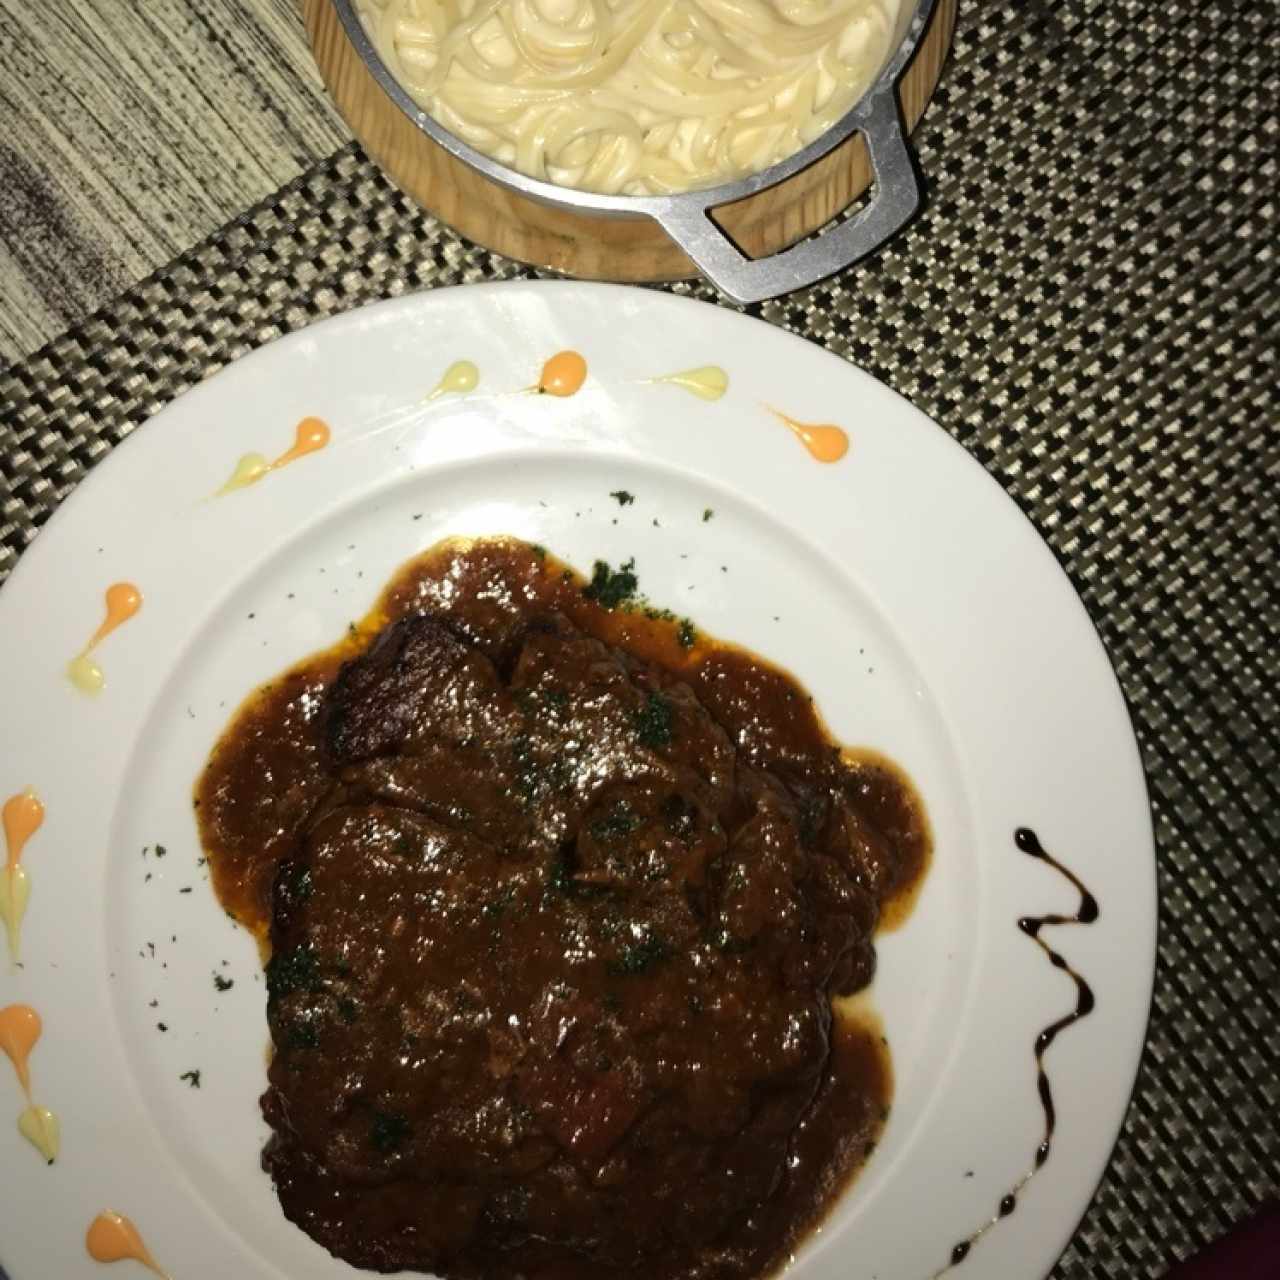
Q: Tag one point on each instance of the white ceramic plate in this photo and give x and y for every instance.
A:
(899, 584)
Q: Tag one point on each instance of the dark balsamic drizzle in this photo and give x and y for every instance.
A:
(1029, 843)
(1087, 913)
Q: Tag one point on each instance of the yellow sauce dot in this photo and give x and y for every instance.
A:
(708, 382)
(249, 470)
(459, 378)
(86, 675)
(123, 600)
(23, 815)
(42, 1129)
(563, 374)
(15, 890)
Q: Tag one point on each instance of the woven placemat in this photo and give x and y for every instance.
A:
(1089, 304)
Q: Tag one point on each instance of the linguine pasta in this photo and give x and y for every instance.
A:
(634, 96)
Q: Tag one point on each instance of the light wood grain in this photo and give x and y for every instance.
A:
(130, 131)
(580, 244)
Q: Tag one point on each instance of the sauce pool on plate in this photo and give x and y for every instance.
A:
(562, 899)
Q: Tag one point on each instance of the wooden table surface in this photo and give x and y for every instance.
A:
(132, 129)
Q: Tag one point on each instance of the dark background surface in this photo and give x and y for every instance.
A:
(1089, 304)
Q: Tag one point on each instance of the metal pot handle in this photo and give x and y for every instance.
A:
(895, 200)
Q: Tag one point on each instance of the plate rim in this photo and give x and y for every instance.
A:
(335, 327)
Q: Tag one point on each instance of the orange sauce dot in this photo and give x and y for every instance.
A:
(563, 374)
(123, 601)
(113, 1238)
(23, 815)
(312, 434)
(20, 1028)
(826, 443)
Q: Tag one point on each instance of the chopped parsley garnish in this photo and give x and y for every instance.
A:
(496, 906)
(223, 984)
(389, 1130)
(161, 851)
(292, 971)
(403, 846)
(612, 587)
(679, 815)
(624, 498)
(621, 822)
(636, 957)
(560, 873)
(539, 551)
(728, 942)
(685, 634)
(302, 1035)
(707, 514)
(653, 721)
(192, 1078)
(300, 886)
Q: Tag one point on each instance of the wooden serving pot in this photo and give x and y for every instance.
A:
(752, 238)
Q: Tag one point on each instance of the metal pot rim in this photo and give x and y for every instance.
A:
(661, 208)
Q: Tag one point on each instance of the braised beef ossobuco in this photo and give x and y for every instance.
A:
(557, 898)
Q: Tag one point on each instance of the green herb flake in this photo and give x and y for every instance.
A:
(222, 984)
(680, 816)
(302, 1035)
(653, 722)
(624, 499)
(160, 851)
(729, 943)
(192, 1078)
(300, 884)
(707, 514)
(560, 873)
(612, 587)
(539, 552)
(389, 1131)
(495, 907)
(685, 634)
(289, 971)
(622, 821)
(636, 957)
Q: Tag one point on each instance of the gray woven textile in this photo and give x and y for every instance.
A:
(1089, 305)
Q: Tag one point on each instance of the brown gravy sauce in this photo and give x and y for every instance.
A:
(268, 772)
